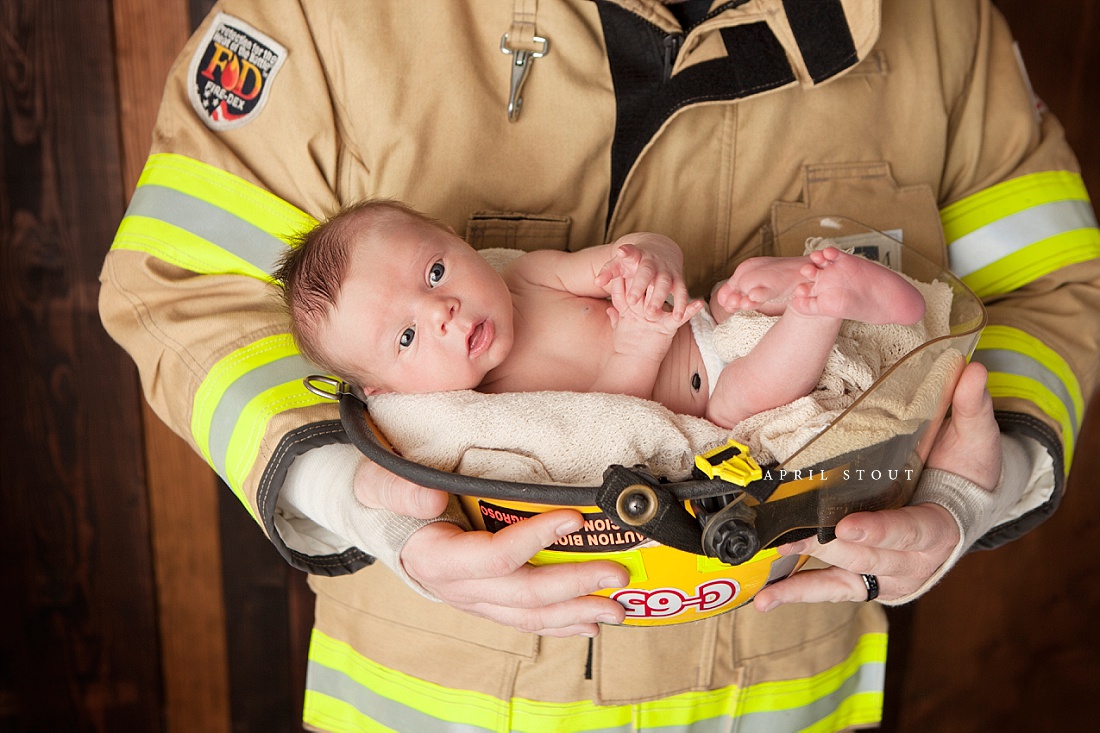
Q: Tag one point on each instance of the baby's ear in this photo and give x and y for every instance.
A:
(368, 391)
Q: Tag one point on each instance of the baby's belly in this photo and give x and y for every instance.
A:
(675, 387)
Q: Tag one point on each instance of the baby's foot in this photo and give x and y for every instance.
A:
(841, 285)
(762, 283)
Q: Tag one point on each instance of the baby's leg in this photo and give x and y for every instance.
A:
(785, 364)
(840, 285)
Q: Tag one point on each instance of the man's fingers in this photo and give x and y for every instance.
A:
(488, 575)
(902, 548)
(555, 619)
(829, 585)
(971, 400)
(889, 542)
(485, 555)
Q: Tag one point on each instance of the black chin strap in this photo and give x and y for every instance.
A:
(630, 496)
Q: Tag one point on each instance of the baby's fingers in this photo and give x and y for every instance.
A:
(657, 293)
(680, 299)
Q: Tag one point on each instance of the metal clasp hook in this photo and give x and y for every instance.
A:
(521, 66)
(332, 389)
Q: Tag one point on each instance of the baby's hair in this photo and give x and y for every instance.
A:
(315, 266)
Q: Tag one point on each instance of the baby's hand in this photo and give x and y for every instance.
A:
(652, 267)
(640, 332)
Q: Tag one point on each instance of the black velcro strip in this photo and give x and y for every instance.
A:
(822, 33)
(645, 100)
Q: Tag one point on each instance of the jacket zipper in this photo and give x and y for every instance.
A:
(673, 42)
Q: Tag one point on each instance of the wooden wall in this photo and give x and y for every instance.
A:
(135, 595)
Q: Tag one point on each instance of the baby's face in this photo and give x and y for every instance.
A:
(420, 311)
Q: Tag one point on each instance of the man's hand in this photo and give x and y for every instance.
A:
(486, 574)
(903, 547)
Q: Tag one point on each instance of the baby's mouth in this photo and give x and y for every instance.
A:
(480, 338)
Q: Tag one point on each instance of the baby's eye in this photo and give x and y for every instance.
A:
(407, 337)
(435, 274)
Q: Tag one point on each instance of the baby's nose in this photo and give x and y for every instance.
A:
(445, 311)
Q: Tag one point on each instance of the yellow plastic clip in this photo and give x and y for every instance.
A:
(731, 462)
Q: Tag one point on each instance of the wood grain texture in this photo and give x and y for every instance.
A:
(77, 621)
(183, 490)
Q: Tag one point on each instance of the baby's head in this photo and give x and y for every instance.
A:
(392, 300)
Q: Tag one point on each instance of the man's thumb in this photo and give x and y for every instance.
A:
(971, 400)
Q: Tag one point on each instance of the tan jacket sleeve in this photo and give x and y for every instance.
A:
(1021, 232)
(245, 153)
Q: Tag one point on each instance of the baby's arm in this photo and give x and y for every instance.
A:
(651, 264)
(568, 272)
(640, 340)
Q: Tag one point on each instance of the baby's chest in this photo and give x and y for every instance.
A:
(563, 342)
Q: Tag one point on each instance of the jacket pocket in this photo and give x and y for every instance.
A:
(382, 620)
(864, 194)
(515, 230)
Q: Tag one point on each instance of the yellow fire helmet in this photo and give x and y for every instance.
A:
(706, 544)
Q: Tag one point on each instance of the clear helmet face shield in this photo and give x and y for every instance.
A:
(704, 545)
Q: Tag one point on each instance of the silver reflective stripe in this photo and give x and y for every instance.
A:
(871, 678)
(1013, 362)
(214, 224)
(240, 393)
(335, 684)
(1003, 237)
(394, 715)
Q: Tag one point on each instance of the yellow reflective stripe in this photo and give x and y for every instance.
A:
(198, 217)
(1004, 199)
(239, 396)
(215, 186)
(348, 692)
(244, 446)
(1014, 232)
(787, 694)
(227, 372)
(1022, 366)
(337, 716)
(180, 247)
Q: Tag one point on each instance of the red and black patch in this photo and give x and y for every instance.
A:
(232, 72)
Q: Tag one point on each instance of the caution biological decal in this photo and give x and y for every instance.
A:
(597, 534)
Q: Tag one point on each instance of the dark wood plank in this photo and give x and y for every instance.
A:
(263, 698)
(183, 490)
(78, 617)
(1058, 44)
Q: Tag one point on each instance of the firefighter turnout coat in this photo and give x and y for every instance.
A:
(563, 124)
